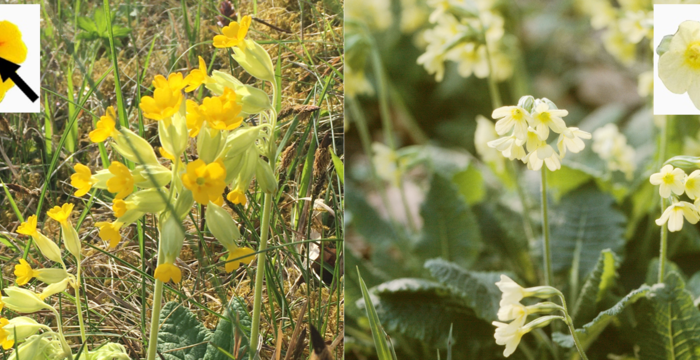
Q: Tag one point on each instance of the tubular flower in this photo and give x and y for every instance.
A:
(196, 77)
(510, 146)
(68, 232)
(222, 112)
(570, 139)
(692, 185)
(61, 213)
(4, 341)
(23, 300)
(195, 118)
(28, 227)
(237, 196)
(166, 98)
(545, 118)
(244, 255)
(675, 213)
(669, 180)
(82, 179)
(233, 34)
(119, 207)
(122, 183)
(47, 247)
(110, 232)
(510, 335)
(105, 127)
(24, 272)
(205, 181)
(512, 117)
(679, 67)
(166, 272)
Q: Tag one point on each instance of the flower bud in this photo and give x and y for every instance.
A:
(222, 226)
(37, 347)
(70, 239)
(150, 201)
(172, 237)
(210, 142)
(47, 247)
(50, 276)
(687, 163)
(20, 328)
(110, 351)
(240, 140)
(253, 100)
(255, 60)
(245, 175)
(151, 176)
(541, 322)
(55, 288)
(134, 147)
(173, 134)
(233, 166)
(548, 102)
(527, 102)
(23, 300)
(266, 178)
(665, 45)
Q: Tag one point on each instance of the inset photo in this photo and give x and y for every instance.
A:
(20, 56)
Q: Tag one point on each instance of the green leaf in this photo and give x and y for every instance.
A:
(598, 283)
(222, 338)
(101, 23)
(669, 323)
(378, 334)
(86, 24)
(693, 285)
(565, 180)
(338, 164)
(424, 310)
(181, 335)
(589, 332)
(120, 31)
(470, 184)
(478, 289)
(582, 225)
(450, 229)
(653, 270)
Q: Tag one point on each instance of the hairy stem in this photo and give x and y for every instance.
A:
(546, 253)
(155, 315)
(664, 245)
(259, 276)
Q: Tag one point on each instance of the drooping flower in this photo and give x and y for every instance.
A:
(4, 341)
(679, 67)
(510, 335)
(196, 77)
(61, 213)
(68, 232)
(166, 272)
(233, 34)
(122, 183)
(570, 139)
(512, 117)
(23, 272)
(692, 185)
(669, 180)
(222, 112)
(110, 232)
(206, 181)
(237, 196)
(511, 292)
(675, 213)
(166, 98)
(82, 180)
(244, 255)
(47, 247)
(105, 127)
(510, 146)
(543, 154)
(545, 118)
(28, 227)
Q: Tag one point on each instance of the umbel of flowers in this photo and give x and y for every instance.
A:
(673, 183)
(528, 125)
(229, 153)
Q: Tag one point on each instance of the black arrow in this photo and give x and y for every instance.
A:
(8, 70)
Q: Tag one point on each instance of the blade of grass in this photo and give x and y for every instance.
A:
(378, 334)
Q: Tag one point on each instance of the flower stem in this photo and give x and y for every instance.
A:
(79, 309)
(570, 323)
(259, 276)
(155, 315)
(664, 245)
(545, 232)
(64, 344)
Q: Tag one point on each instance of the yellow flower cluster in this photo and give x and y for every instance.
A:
(528, 124)
(611, 145)
(674, 182)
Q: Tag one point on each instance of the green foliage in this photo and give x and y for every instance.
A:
(599, 282)
(583, 224)
(378, 334)
(181, 335)
(97, 27)
(470, 183)
(566, 179)
(669, 323)
(222, 338)
(478, 289)
(450, 229)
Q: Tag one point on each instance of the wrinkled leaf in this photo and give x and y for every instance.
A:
(181, 335)
(598, 283)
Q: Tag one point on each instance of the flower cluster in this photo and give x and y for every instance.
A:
(529, 124)
(611, 145)
(228, 153)
(462, 35)
(509, 334)
(673, 182)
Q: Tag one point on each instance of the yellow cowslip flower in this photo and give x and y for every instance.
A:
(119, 207)
(222, 112)
(82, 179)
(24, 272)
(195, 118)
(512, 117)
(675, 213)
(205, 181)
(255, 60)
(122, 183)
(196, 77)
(166, 272)
(679, 67)
(237, 196)
(510, 146)
(4, 341)
(61, 213)
(545, 118)
(47, 247)
(692, 185)
(19, 329)
(23, 300)
(105, 127)
(252, 99)
(233, 34)
(244, 255)
(110, 232)
(669, 180)
(166, 98)
(12, 48)
(151, 201)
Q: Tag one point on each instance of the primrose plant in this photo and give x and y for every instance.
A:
(229, 152)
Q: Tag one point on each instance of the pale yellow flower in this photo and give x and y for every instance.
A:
(675, 213)
(544, 118)
(570, 139)
(544, 154)
(512, 117)
(669, 180)
(679, 67)
(510, 334)
(510, 146)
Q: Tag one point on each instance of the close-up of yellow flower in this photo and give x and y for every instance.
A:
(675, 213)
(510, 146)
(61, 213)
(166, 272)
(510, 117)
(110, 232)
(4, 341)
(206, 181)
(82, 180)
(28, 227)
(195, 118)
(105, 127)
(233, 34)
(244, 255)
(23, 272)
(669, 180)
(196, 77)
(12, 48)
(166, 98)
(510, 334)
(222, 112)
(237, 196)
(545, 118)
(692, 185)
(570, 139)
(122, 183)
(119, 207)
(679, 67)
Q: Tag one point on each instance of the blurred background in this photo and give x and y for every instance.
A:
(420, 89)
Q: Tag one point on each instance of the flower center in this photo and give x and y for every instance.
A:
(668, 178)
(201, 181)
(692, 55)
(544, 117)
(517, 114)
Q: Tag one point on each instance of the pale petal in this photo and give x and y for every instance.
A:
(654, 179)
(675, 75)
(675, 221)
(688, 32)
(664, 217)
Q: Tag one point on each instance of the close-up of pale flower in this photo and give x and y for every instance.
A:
(679, 66)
